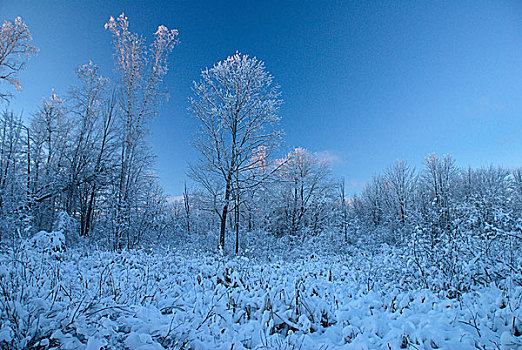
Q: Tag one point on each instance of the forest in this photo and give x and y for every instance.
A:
(261, 250)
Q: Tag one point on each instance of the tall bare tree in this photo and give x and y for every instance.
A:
(93, 115)
(305, 182)
(237, 104)
(51, 142)
(401, 181)
(142, 70)
(15, 50)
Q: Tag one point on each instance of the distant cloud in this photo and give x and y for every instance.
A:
(329, 156)
(353, 183)
(354, 187)
(174, 199)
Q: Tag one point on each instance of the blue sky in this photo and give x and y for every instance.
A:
(364, 83)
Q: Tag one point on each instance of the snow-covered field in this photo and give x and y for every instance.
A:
(81, 299)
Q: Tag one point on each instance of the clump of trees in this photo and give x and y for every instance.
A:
(237, 103)
(453, 227)
(452, 221)
(84, 154)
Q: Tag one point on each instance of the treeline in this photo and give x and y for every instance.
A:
(299, 196)
(449, 219)
(81, 160)
(454, 227)
(296, 196)
(439, 200)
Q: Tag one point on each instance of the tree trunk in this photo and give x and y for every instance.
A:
(86, 227)
(237, 225)
(223, 227)
(224, 214)
(187, 207)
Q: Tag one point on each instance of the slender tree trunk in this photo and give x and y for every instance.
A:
(87, 220)
(237, 223)
(225, 212)
(29, 192)
(223, 226)
(186, 203)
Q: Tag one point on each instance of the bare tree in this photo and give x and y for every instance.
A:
(344, 208)
(401, 180)
(440, 179)
(93, 115)
(304, 176)
(51, 131)
(87, 100)
(142, 70)
(11, 164)
(186, 205)
(236, 103)
(15, 50)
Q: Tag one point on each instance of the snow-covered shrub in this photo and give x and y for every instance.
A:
(182, 299)
(52, 243)
(68, 227)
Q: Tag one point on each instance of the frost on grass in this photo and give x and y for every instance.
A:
(172, 299)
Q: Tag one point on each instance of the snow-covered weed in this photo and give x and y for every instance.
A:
(173, 299)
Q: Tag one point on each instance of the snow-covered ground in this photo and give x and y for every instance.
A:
(81, 299)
